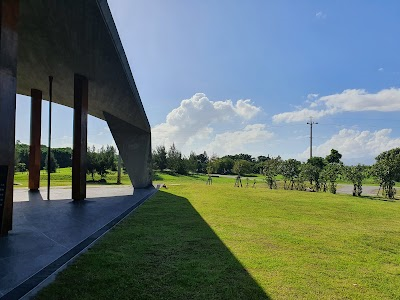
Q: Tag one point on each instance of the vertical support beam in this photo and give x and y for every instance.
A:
(9, 13)
(119, 169)
(79, 152)
(134, 146)
(34, 148)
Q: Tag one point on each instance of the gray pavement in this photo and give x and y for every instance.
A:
(367, 190)
(44, 231)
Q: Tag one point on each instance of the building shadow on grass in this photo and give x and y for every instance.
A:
(189, 255)
(165, 250)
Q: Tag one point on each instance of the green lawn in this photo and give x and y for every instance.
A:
(63, 177)
(193, 241)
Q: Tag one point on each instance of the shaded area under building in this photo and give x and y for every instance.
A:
(47, 234)
(77, 43)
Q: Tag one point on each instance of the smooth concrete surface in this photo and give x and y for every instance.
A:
(62, 38)
(45, 230)
(134, 145)
(8, 85)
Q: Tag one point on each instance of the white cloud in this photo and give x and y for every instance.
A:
(352, 100)
(356, 146)
(381, 69)
(245, 109)
(312, 97)
(199, 121)
(320, 15)
(237, 141)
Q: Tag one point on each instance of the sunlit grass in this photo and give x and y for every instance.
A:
(194, 241)
(63, 177)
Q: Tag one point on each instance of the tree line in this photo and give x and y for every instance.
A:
(99, 161)
(316, 174)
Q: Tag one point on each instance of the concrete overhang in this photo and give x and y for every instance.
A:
(66, 37)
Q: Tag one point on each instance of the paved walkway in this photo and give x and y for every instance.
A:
(45, 231)
(367, 190)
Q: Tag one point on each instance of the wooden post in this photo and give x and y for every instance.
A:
(79, 152)
(34, 148)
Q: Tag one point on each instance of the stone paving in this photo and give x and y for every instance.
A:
(43, 231)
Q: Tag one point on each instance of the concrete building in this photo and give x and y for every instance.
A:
(76, 42)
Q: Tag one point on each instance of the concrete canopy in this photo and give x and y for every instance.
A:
(66, 37)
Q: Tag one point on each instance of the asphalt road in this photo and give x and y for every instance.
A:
(348, 189)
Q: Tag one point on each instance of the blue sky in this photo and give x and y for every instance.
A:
(245, 76)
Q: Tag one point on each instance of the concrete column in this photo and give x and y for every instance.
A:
(9, 13)
(134, 146)
(79, 152)
(34, 148)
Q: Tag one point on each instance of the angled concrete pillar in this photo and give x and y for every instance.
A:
(34, 147)
(9, 12)
(79, 151)
(134, 146)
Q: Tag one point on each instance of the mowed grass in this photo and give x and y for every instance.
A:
(193, 241)
(63, 177)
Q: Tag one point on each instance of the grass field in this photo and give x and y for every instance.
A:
(193, 241)
(63, 177)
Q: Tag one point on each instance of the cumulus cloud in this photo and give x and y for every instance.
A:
(351, 100)
(356, 146)
(236, 141)
(320, 15)
(199, 121)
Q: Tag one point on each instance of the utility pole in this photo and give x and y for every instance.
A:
(311, 123)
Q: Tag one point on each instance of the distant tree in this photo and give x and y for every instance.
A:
(312, 169)
(20, 167)
(333, 157)
(241, 167)
(63, 156)
(271, 170)
(301, 179)
(262, 158)
(105, 161)
(192, 162)
(311, 174)
(175, 161)
(53, 163)
(21, 153)
(160, 158)
(91, 161)
(225, 165)
(356, 174)
(246, 157)
(317, 161)
(386, 170)
(43, 156)
(213, 164)
(330, 174)
(290, 170)
(202, 161)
